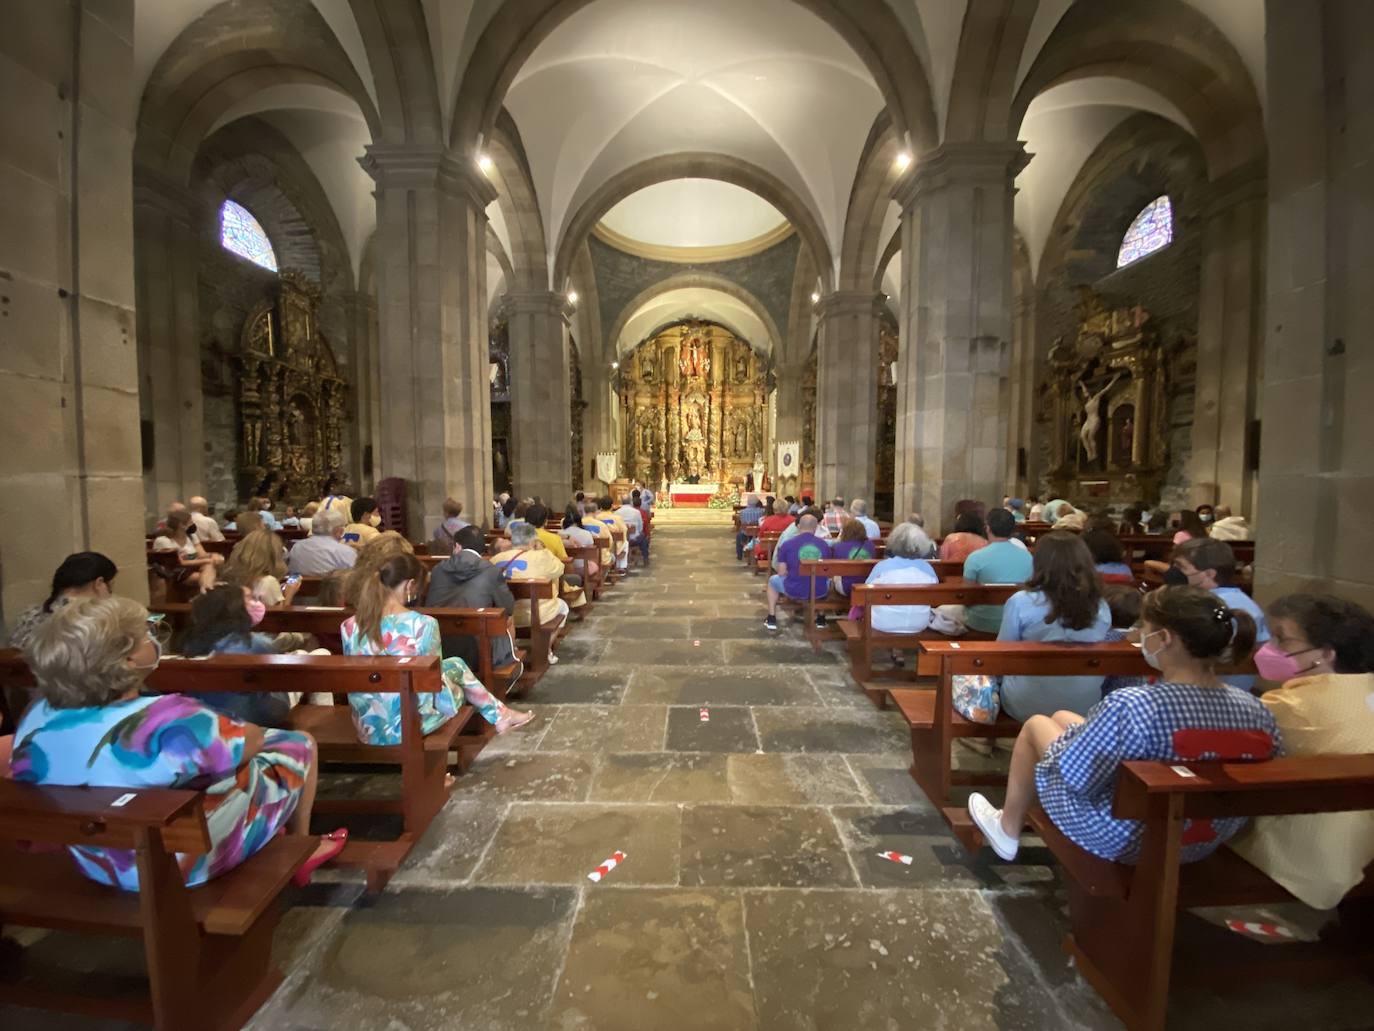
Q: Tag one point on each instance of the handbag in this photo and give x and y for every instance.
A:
(977, 697)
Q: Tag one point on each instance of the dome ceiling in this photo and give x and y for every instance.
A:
(690, 215)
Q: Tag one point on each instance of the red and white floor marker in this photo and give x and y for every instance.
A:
(610, 864)
(895, 857)
(705, 715)
(1260, 930)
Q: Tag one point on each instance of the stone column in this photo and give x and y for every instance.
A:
(956, 328)
(364, 401)
(790, 406)
(1230, 333)
(68, 357)
(166, 264)
(847, 395)
(599, 431)
(432, 319)
(541, 442)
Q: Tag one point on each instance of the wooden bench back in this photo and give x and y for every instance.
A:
(89, 816)
(1041, 658)
(955, 591)
(332, 674)
(946, 571)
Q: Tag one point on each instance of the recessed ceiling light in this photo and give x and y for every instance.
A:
(902, 160)
(485, 163)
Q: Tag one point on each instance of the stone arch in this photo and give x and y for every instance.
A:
(722, 167)
(1169, 47)
(991, 42)
(528, 260)
(397, 39)
(873, 184)
(869, 27)
(703, 281)
(234, 51)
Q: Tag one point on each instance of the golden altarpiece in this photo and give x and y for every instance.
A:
(1105, 399)
(694, 404)
(290, 395)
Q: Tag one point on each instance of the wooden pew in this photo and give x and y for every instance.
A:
(934, 723)
(208, 949)
(768, 541)
(834, 602)
(1123, 918)
(541, 637)
(593, 585)
(423, 758)
(487, 625)
(863, 640)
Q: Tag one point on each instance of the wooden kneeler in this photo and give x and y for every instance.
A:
(208, 949)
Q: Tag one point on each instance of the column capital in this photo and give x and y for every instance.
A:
(954, 164)
(848, 302)
(418, 166)
(537, 302)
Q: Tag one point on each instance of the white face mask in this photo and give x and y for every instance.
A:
(1151, 657)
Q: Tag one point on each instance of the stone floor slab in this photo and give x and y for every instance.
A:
(775, 651)
(650, 631)
(598, 728)
(792, 780)
(830, 730)
(919, 832)
(890, 959)
(537, 777)
(453, 844)
(643, 960)
(561, 844)
(628, 655)
(729, 729)
(762, 846)
(661, 777)
(718, 686)
(578, 684)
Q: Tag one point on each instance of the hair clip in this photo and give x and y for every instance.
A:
(1220, 615)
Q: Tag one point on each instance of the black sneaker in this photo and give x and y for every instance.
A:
(820, 622)
(770, 623)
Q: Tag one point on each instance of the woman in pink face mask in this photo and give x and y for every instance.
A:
(222, 622)
(1322, 651)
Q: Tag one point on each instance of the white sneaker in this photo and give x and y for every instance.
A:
(989, 821)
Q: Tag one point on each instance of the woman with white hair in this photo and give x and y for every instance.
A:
(528, 559)
(90, 726)
(903, 564)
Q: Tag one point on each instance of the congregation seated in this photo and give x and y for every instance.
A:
(1131, 525)
(248, 521)
(1211, 565)
(778, 522)
(222, 622)
(1062, 601)
(1068, 763)
(528, 559)
(196, 568)
(607, 515)
(575, 534)
(1072, 519)
(795, 528)
(833, 518)
(1229, 527)
(363, 522)
(259, 561)
(904, 564)
(87, 574)
(383, 623)
(446, 532)
(787, 579)
(571, 582)
(263, 508)
(1322, 652)
(90, 726)
(1109, 557)
(371, 557)
(505, 511)
(466, 580)
(853, 544)
(307, 517)
(324, 550)
(751, 514)
(1005, 560)
(206, 527)
(633, 518)
(858, 511)
(969, 535)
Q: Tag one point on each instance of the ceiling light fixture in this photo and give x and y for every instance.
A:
(815, 297)
(572, 296)
(485, 163)
(902, 161)
(615, 365)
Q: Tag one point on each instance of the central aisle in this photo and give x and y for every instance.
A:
(751, 895)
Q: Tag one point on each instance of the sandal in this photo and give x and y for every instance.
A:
(330, 845)
(514, 721)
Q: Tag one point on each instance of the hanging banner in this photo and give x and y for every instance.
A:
(789, 458)
(606, 465)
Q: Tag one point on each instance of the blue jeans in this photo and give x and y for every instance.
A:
(740, 538)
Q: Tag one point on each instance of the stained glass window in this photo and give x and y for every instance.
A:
(1151, 230)
(241, 233)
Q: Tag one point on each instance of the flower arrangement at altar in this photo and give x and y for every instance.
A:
(726, 497)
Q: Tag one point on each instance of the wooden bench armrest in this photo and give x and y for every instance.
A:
(1297, 784)
(88, 816)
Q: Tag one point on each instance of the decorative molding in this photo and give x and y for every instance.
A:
(961, 164)
(693, 255)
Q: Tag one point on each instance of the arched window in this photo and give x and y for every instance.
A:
(1150, 231)
(241, 233)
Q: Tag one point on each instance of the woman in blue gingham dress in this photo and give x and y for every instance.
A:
(1070, 764)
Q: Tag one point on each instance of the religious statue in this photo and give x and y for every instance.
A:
(646, 366)
(1092, 417)
(741, 366)
(741, 436)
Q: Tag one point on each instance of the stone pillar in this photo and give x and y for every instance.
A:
(956, 328)
(847, 395)
(166, 264)
(790, 406)
(432, 319)
(1316, 467)
(68, 357)
(599, 428)
(1230, 333)
(364, 400)
(541, 434)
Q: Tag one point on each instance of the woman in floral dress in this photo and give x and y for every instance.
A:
(382, 624)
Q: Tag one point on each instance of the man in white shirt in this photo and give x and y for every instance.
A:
(323, 551)
(206, 528)
(858, 508)
(634, 525)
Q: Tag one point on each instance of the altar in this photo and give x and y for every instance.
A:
(691, 495)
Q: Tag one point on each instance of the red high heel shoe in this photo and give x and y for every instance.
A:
(331, 845)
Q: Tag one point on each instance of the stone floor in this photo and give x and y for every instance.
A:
(751, 894)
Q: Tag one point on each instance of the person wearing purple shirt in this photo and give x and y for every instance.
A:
(805, 546)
